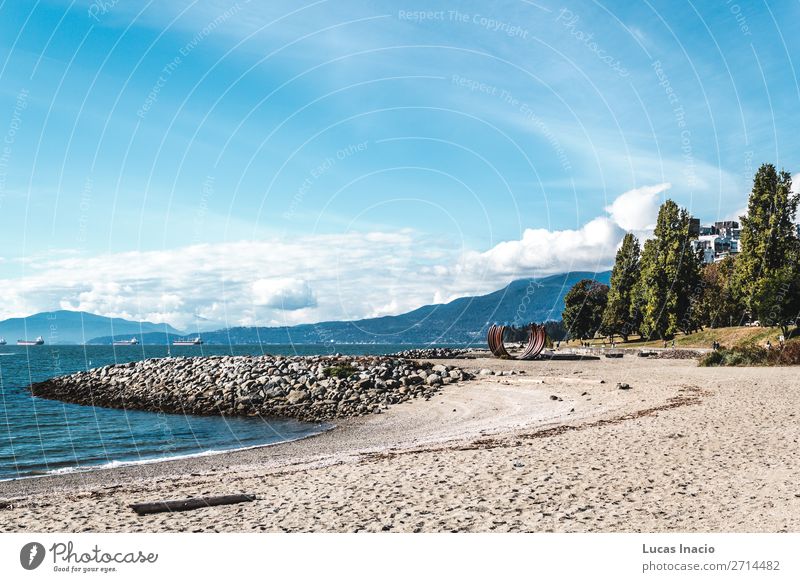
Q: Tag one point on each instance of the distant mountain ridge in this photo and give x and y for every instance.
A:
(76, 327)
(461, 321)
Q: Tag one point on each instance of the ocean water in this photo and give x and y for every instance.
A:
(39, 437)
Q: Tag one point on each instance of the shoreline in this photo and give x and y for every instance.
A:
(673, 453)
(360, 424)
(113, 465)
(267, 386)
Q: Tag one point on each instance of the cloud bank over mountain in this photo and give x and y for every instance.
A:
(314, 277)
(591, 247)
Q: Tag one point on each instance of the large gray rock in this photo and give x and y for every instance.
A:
(433, 380)
(296, 396)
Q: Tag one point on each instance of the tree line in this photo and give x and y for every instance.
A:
(663, 288)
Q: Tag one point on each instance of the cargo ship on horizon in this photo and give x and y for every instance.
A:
(37, 342)
(188, 342)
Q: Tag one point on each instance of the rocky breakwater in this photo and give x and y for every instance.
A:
(433, 353)
(310, 388)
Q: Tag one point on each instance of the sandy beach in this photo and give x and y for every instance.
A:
(558, 448)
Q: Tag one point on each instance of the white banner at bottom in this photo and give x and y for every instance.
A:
(400, 556)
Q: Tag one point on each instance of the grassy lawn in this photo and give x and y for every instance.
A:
(726, 336)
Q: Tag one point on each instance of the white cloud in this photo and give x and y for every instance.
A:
(311, 278)
(284, 293)
(592, 247)
(542, 251)
(737, 215)
(265, 282)
(636, 210)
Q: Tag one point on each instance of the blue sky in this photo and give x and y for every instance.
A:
(244, 162)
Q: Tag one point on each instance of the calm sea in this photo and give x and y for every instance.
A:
(40, 436)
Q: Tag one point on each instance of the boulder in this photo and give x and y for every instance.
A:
(296, 396)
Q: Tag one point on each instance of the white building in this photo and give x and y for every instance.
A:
(718, 241)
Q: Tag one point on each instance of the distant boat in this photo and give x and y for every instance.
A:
(131, 342)
(188, 342)
(37, 342)
(3, 341)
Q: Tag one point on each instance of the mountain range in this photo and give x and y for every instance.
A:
(76, 327)
(462, 321)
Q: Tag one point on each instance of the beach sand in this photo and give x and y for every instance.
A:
(685, 449)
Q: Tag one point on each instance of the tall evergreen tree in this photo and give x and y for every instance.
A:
(767, 273)
(669, 277)
(584, 304)
(617, 319)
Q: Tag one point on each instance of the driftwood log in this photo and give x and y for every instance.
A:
(189, 504)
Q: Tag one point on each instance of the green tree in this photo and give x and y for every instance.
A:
(617, 318)
(767, 273)
(666, 292)
(718, 305)
(689, 286)
(583, 308)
